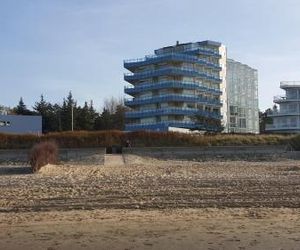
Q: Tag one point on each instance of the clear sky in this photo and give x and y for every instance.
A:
(53, 46)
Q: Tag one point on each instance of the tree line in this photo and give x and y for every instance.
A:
(58, 117)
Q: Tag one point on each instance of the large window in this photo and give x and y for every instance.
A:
(4, 123)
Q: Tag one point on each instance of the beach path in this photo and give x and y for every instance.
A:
(114, 160)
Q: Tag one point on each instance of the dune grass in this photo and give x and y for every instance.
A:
(42, 154)
(92, 139)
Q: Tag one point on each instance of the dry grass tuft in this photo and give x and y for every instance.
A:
(42, 154)
(91, 139)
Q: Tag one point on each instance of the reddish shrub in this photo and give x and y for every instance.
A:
(42, 154)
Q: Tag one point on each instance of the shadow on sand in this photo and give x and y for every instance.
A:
(15, 170)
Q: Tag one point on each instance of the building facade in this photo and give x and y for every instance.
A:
(286, 117)
(20, 124)
(181, 86)
(242, 98)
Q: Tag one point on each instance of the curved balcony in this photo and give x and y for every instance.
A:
(172, 71)
(282, 99)
(160, 126)
(204, 51)
(169, 85)
(289, 84)
(172, 111)
(163, 126)
(281, 113)
(282, 127)
(172, 98)
(171, 57)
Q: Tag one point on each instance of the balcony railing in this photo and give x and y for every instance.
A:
(280, 99)
(170, 84)
(188, 48)
(282, 127)
(163, 126)
(289, 84)
(204, 51)
(283, 113)
(172, 111)
(172, 97)
(169, 71)
(168, 57)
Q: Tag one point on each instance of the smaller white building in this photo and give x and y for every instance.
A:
(286, 117)
(20, 124)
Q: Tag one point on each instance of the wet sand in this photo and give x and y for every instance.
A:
(154, 229)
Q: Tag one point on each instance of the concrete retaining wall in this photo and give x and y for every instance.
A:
(74, 156)
(96, 155)
(250, 153)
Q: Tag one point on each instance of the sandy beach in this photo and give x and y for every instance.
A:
(147, 203)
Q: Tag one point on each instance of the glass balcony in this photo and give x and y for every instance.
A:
(160, 126)
(177, 71)
(172, 111)
(282, 99)
(283, 127)
(172, 97)
(163, 126)
(283, 113)
(169, 85)
(204, 51)
(289, 84)
(175, 57)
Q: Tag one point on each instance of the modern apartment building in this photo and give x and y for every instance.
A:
(286, 117)
(179, 87)
(242, 98)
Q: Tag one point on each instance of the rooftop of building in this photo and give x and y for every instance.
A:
(289, 84)
(241, 64)
(187, 46)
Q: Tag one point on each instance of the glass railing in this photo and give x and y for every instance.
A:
(290, 84)
(281, 126)
(283, 113)
(171, 123)
(170, 56)
(172, 97)
(285, 99)
(170, 111)
(163, 124)
(169, 84)
(170, 70)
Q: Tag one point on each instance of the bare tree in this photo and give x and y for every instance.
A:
(111, 104)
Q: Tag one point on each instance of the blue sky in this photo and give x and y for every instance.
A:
(50, 47)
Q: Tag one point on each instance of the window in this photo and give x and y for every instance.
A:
(4, 123)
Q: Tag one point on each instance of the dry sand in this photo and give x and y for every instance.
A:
(152, 204)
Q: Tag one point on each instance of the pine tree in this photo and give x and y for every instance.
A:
(49, 115)
(68, 108)
(21, 108)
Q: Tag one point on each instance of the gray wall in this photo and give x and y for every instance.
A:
(21, 124)
(247, 153)
(71, 155)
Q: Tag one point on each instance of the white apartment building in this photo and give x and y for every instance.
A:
(286, 117)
